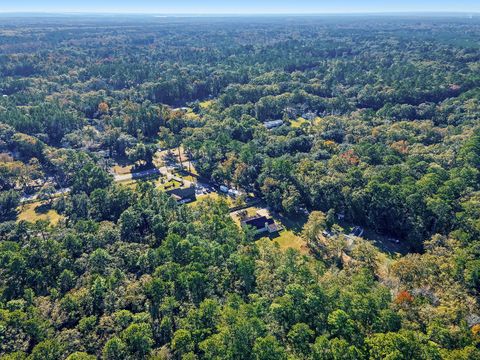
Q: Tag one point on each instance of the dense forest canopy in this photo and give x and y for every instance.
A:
(372, 121)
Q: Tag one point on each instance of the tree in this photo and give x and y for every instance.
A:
(330, 218)
(402, 345)
(66, 280)
(268, 348)
(80, 356)
(300, 336)
(182, 343)
(341, 325)
(114, 349)
(314, 226)
(9, 201)
(46, 350)
(99, 261)
(142, 153)
(470, 151)
(47, 192)
(89, 178)
(138, 340)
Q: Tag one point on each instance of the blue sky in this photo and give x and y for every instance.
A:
(238, 6)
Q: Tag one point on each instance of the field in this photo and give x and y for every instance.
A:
(288, 239)
(206, 104)
(214, 196)
(122, 170)
(298, 122)
(169, 185)
(38, 211)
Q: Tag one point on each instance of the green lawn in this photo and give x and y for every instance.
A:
(215, 196)
(38, 211)
(122, 170)
(287, 239)
(298, 122)
(169, 185)
(289, 236)
(206, 104)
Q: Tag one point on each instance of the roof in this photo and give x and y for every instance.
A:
(273, 123)
(274, 227)
(185, 193)
(258, 222)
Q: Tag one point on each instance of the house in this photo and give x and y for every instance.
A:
(261, 224)
(182, 110)
(309, 115)
(233, 192)
(183, 195)
(273, 124)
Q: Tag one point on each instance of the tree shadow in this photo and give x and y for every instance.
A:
(43, 208)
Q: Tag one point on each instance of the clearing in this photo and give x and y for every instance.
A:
(39, 210)
(289, 237)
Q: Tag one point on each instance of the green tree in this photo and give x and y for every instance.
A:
(300, 336)
(9, 201)
(89, 178)
(46, 350)
(114, 349)
(80, 356)
(138, 340)
(268, 348)
(182, 343)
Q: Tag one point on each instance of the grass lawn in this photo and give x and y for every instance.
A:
(287, 239)
(132, 184)
(216, 196)
(38, 211)
(190, 115)
(169, 185)
(122, 170)
(206, 104)
(297, 123)
(184, 175)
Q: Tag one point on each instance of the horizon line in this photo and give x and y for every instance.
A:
(306, 13)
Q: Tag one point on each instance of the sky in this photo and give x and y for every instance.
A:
(239, 6)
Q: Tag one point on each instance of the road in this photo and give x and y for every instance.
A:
(116, 178)
(166, 171)
(137, 175)
(34, 197)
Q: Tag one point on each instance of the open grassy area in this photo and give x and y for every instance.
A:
(122, 170)
(287, 239)
(38, 211)
(298, 122)
(168, 185)
(215, 196)
(206, 104)
(190, 115)
(185, 175)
